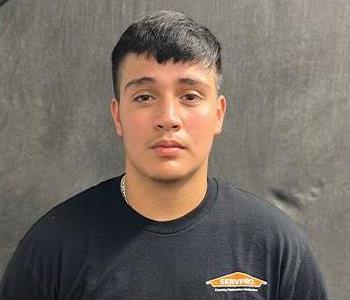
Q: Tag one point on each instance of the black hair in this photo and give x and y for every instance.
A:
(167, 35)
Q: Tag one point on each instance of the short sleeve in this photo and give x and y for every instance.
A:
(18, 282)
(309, 283)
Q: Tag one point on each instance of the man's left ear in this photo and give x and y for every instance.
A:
(220, 113)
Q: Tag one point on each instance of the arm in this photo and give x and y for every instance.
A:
(18, 281)
(308, 282)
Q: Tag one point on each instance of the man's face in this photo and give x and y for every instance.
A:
(167, 115)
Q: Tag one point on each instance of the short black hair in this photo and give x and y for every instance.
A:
(167, 35)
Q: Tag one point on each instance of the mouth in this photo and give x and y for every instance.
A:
(168, 144)
(167, 148)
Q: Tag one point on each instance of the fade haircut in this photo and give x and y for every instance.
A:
(164, 36)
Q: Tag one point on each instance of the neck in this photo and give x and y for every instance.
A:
(162, 200)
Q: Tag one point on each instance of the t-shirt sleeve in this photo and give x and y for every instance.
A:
(309, 283)
(18, 281)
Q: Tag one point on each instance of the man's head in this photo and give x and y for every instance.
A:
(167, 108)
(167, 35)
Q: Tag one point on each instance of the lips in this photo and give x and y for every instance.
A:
(168, 148)
(168, 144)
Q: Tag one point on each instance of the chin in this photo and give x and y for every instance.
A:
(166, 179)
(171, 176)
(167, 172)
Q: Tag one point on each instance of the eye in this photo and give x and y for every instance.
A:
(191, 97)
(143, 98)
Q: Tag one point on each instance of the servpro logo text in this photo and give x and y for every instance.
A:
(235, 282)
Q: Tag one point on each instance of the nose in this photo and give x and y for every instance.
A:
(167, 115)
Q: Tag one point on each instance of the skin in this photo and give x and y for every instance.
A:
(169, 101)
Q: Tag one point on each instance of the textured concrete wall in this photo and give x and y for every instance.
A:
(286, 136)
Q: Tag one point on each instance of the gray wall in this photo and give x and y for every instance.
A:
(286, 136)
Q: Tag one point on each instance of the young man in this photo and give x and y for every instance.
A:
(164, 230)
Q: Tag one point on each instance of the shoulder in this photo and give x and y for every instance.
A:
(73, 214)
(245, 208)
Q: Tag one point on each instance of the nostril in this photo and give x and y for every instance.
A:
(165, 125)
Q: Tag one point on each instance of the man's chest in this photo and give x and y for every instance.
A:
(205, 267)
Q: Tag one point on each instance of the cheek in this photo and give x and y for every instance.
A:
(134, 129)
(201, 125)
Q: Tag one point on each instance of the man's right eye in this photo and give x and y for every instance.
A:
(143, 98)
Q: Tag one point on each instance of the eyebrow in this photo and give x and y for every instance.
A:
(190, 81)
(146, 79)
(139, 81)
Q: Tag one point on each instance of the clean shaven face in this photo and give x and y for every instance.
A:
(167, 115)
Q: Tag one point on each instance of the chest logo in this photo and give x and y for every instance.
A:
(237, 281)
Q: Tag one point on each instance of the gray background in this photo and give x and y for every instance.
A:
(286, 135)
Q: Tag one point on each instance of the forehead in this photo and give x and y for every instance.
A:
(136, 66)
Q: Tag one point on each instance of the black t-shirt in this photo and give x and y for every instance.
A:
(95, 247)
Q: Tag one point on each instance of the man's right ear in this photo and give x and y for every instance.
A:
(116, 116)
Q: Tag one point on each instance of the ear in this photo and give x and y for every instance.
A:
(115, 111)
(220, 113)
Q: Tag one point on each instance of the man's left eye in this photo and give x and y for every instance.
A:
(191, 97)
